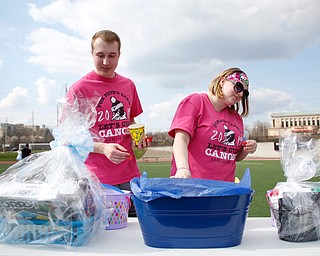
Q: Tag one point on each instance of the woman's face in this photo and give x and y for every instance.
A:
(105, 57)
(231, 97)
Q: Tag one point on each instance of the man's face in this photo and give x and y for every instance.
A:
(105, 57)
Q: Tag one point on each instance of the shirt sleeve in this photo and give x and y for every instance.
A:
(136, 108)
(185, 117)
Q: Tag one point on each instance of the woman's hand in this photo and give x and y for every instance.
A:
(250, 146)
(182, 173)
(113, 151)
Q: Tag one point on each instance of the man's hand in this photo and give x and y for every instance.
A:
(113, 151)
(144, 143)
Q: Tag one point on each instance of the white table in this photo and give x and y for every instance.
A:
(260, 238)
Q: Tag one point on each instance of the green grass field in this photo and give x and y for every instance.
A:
(265, 174)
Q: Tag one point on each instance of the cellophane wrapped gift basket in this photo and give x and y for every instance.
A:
(295, 204)
(51, 197)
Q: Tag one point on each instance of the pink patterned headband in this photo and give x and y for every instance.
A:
(239, 77)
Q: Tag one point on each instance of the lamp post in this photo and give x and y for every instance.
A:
(6, 133)
(61, 102)
(33, 131)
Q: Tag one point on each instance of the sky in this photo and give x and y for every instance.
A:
(170, 48)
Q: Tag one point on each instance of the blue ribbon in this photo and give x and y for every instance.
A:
(79, 140)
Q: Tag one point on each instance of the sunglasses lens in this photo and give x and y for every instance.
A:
(238, 87)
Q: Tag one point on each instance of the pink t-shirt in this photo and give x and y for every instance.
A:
(119, 102)
(216, 137)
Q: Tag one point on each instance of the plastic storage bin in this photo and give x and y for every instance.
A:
(193, 222)
(120, 202)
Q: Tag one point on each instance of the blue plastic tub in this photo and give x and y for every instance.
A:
(193, 222)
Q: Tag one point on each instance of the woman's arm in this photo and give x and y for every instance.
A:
(180, 152)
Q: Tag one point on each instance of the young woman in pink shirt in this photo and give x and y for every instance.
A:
(208, 130)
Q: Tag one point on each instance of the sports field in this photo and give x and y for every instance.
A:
(265, 174)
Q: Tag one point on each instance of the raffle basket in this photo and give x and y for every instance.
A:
(295, 204)
(51, 197)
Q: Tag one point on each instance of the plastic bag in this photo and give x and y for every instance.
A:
(51, 197)
(148, 189)
(299, 216)
(300, 156)
(297, 210)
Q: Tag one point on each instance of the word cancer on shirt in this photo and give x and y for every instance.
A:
(231, 156)
(113, 132)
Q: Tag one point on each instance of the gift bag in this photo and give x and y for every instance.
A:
(295, 204)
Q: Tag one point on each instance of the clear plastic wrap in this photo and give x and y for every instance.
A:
(295, 204)
(300, 156)
(51, 197)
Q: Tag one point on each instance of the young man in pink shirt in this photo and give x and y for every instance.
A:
(113, 160)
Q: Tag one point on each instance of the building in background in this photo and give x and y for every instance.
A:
(12, 135)
(306, 122)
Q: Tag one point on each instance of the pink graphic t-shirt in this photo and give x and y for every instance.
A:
(119, 102)
(216, 137)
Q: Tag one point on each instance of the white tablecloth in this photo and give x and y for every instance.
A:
(259, 239)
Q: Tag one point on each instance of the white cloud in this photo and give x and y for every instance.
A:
(14, 99)
(161, 114)
(177, 47)
(263, 101)
(58, 52)
(45, 87)
(167, 36)
(50, 13)
(1, 63)
(266, 100)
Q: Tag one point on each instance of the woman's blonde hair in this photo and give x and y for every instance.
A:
(216, 89)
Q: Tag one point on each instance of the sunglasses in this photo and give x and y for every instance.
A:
(238, 87)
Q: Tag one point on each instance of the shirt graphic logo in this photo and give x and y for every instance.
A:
(117, 109)
(229, 136)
